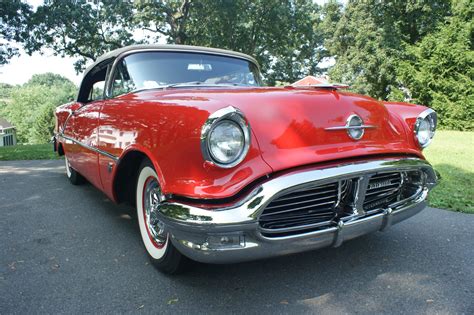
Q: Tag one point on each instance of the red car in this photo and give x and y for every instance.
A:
(222, 169)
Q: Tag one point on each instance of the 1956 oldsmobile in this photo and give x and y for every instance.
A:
(221, 169)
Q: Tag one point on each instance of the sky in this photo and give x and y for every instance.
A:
(20, 69)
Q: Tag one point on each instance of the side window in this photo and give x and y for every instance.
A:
(122, 83)
(97, 91)
(92, 86)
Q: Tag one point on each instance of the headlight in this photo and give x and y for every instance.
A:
(226, 142)
(425, 127)
(225, 138)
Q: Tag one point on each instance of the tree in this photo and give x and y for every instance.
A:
(48, 79)
(5, 93)
(80, 28)
(165, 18)
(370, 39)
(331, 13)
(281, 34)
(5, 90)
(439, 70)
(363, 58)
(43, 126)
(31, 106)
(13, 17)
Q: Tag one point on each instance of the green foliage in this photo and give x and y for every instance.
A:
(439, 70)
(80, 28)
(48, 79)
(13, 26)
(370, 36)
(279, 34)
(283, 35)
(164, 18)
(5, 93)
(5, 90)
(31, 106)
(43, 126)
(364, 58)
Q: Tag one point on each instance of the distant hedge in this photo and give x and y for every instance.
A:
(30, 107)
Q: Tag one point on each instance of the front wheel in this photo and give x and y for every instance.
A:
(155, 236)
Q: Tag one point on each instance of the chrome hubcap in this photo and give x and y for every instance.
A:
(151, 202)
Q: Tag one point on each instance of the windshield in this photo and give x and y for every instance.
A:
(149, 70)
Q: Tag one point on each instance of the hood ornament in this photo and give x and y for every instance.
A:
(354, 126)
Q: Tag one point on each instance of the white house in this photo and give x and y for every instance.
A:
(7, 133)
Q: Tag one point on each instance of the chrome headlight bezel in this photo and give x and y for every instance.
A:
(235, 116)
(429, 116)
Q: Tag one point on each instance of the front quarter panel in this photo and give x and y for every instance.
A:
(406, 114)
(169, 134)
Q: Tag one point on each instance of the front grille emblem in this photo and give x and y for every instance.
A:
(380, 184)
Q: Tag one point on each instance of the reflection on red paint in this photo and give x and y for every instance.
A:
(288, 130)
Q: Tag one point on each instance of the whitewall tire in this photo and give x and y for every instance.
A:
(154, 233)
(68, 167)
(74, 177)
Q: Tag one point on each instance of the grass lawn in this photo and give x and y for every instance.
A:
(452, 155)
(28, 152)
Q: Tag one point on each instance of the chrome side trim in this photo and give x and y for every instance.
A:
(107, 154)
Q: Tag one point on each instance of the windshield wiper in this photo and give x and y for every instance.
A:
(183, 84)
(201, 83)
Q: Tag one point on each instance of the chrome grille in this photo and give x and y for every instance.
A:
(382, 190)
(319, 207)
(306, 209)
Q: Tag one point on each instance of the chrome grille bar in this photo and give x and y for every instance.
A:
(300, 208)
(303, 209)
(289, 204)
(320, 207)
(383, 189)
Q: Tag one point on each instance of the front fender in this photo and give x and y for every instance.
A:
(168, 133)
(406, 114)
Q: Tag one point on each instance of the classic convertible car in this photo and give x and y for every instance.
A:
(222, 169)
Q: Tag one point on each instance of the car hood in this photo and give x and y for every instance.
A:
(291, 124)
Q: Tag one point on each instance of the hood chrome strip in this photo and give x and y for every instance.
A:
(350, 127)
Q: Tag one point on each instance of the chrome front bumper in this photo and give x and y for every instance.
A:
(232, 234)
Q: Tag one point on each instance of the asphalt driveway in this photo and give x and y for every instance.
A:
(68, 249)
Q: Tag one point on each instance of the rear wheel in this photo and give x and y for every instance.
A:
(74, 177)
(155, 235)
